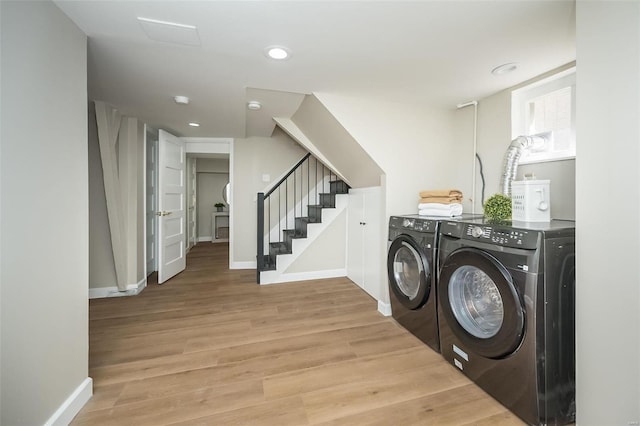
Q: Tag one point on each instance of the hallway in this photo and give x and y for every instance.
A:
(210, 347)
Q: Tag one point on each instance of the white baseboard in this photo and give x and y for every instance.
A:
(304, 276)
(102, 292)
(72, 405)
(202, 239)
(384, 308)
(243, 265)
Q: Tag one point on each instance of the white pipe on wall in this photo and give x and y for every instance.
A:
(475, 150)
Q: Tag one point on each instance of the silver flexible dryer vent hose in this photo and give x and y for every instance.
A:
(512, 157)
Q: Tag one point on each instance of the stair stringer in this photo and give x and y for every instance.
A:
(300, 245)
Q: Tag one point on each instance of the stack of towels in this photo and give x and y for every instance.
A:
(440, 202)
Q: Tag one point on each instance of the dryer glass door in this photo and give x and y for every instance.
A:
(476, 301)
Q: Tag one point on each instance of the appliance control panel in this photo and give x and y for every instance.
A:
(503, 236)
(413, 224)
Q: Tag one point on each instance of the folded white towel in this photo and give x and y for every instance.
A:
(438, 206)
(451, 211)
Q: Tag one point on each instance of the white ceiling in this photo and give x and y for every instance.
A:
(435, 52)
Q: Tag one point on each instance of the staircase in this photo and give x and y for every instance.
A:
(292, 214)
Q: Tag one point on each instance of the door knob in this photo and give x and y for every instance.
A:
(163, 213)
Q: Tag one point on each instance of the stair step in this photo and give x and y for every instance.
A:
(338, 187)
(269, 263)
(327, 200)
(315, 212)
(290, 234)
(301, 224)
(279, 248)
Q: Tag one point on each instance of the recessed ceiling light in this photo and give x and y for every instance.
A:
(277, 52)
(193, 124)
(181, 100)
(254, 105)
(504, 68)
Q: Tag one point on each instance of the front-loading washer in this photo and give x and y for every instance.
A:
(507, 313)
(411, 270)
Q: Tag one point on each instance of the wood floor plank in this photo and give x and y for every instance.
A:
(159, 366)
(466, 404)
(287, 411)
(385, 342)
(378, 389)
(210, 347)
(276, 346)
(348, 372)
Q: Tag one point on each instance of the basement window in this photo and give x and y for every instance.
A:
(547, 105)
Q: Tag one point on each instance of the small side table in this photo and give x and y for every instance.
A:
(219, 227)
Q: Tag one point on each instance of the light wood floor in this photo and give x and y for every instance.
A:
(210, 347)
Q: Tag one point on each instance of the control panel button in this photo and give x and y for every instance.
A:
(476, 232)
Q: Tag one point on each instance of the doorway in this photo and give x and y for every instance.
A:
(206, 177)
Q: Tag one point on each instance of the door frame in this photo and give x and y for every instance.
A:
(150, 130)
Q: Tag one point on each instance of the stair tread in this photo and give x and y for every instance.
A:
(307, 219)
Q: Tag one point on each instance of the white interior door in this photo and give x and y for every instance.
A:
(373, 243)
(171, 206)
(355, 238)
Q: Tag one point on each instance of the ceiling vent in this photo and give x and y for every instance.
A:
(170, 32)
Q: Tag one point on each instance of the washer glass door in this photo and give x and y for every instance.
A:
(408, 272)
(407, 269)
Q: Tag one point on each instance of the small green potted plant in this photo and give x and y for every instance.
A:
(219, 206)
(498, 208)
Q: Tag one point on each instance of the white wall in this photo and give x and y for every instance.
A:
(332, 141)
(44, 265)
(412, 144)
(212, 165)
(252, 158)
(494, 137)
(607, 212)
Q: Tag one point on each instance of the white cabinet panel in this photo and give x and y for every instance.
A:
(364, 239)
